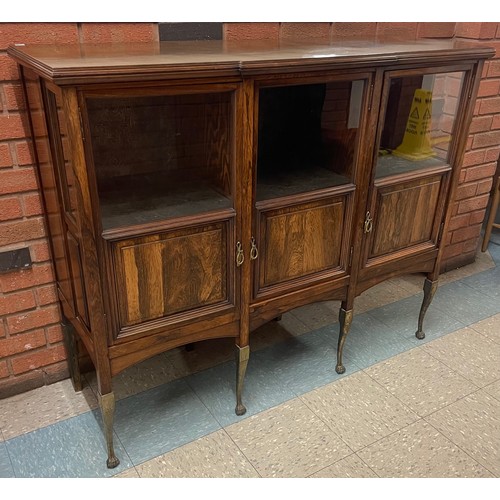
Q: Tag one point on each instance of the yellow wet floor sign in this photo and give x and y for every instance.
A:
(416, 143)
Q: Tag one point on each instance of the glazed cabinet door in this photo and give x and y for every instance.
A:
(308, 150)
(413, 164)
(164, 162)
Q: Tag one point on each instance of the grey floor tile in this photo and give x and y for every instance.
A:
(306, 362)
(401, 319)
(141, 377)
(212, 456)
(482, 262)
(216, 387)
(287, 441)
(473, 424)
(469, 353)
(489, 327)
(420, 381)
(486, 282)
(464, 303)
(349, 467)
(42, 407)
(494, 247)
(419, 450)
(72, 448)
(6, 469)
(158, 420)
(370, 341)
(359, 410)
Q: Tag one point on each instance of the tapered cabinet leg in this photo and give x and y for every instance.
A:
(345, 319)
(108, 412)
(430, 288)
(71, 345)
(242, 355)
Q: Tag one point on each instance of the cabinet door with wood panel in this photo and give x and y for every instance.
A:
(308, 141)
(163, 160)
(412, 165)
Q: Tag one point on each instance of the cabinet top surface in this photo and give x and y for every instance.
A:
(91, 62)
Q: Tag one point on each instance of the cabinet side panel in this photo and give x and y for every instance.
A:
(49, 183)
(165, 274)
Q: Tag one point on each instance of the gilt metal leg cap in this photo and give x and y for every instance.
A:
(112, 462)
(240, 410)
(420, 335)
(340, 369)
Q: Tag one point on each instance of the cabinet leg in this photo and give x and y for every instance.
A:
(108, 412)
(345, 319)
(72, 351)
(242, 355)
(430, 288)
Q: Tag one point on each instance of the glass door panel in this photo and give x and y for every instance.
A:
(419, 122)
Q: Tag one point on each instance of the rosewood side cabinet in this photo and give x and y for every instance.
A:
(196, 190)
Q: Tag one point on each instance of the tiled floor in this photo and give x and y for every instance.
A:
(404, 407)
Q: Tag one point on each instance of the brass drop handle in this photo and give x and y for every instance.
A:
(254, 252)
(239, 254)
(368, 223)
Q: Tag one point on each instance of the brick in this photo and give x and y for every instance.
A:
(8, 68)
(21, 343)
(14, 98)
(33, 319)
(486, 139)
(10, 208)
(472, 204)
(489, 105)
(353, 30)
(493, 69)
(4, 369)
(14, 302)
(54, 334)
(489, 88)
(488, 30)
(459, 221)
(23, 153)
(473, 158)
(461, 177)
(466, 191)
(492, 154)
(32, 205)
(480, 172)
(40, 251)
(484, 186)
(30, 361)
(436, 30)
(22, 383)
(31, 33)
(11, 127)
(468, 30)
(17, 180)
(470, 246)
(305, 30)
(496, 46)
(477, 217)
(452, 250)
(5, 156)
(46, 295)
(468, 143)
(3, 329)
(119, 32)
(496, 122)
(251, 31)
(480, 124)
(397, 31)
(56, 372)
(21, 231)
(466, 233)
(17, 280)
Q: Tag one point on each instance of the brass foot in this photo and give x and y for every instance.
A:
(108, 411)
(242, 355)
(345, 318)
(430, 288)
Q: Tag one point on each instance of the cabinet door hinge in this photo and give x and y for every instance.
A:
(82, 130)
(350, 256)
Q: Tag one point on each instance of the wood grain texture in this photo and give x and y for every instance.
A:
(164, 274)
(298, 241)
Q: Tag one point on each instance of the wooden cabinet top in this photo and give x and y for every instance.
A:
(89, 63)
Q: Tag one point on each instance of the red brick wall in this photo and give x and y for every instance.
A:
(31, 350)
